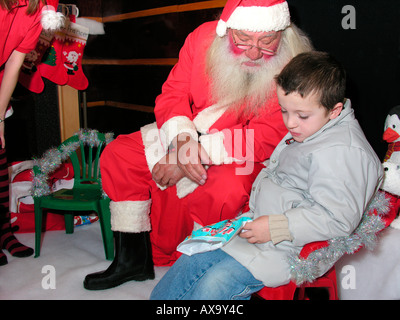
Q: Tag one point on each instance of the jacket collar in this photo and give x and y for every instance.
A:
(346, 112)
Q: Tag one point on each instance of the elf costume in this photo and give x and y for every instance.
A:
(138, 204)
(19, 32)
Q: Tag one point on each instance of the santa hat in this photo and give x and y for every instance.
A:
(51, 19)
(254, 15)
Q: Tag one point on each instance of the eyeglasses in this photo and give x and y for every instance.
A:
(245, 47)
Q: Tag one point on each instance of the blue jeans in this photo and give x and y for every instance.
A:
(213, 275)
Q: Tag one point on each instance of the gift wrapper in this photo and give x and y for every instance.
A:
(212, 237)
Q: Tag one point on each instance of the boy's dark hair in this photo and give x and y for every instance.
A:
(314, 72)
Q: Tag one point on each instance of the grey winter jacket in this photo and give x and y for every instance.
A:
(313, 191)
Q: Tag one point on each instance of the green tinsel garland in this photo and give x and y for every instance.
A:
(365, 235)
(54, 157)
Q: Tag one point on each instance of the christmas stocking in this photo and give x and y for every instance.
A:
(75, 42)
(30, 76)
(52, 67)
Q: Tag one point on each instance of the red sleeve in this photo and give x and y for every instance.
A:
(185, 92)
(32, 36)
(175, 98)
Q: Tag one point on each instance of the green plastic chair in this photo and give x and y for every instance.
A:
(83, 149)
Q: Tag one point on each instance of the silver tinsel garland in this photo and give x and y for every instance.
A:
(302, 269)
(365, 235)
(53, 158)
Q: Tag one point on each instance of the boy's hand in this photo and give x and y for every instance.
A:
(257, 231)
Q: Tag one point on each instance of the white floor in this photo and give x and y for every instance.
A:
(371, 276)
(71, 257)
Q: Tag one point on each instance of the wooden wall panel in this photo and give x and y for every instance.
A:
(69, 111)
(146, 47)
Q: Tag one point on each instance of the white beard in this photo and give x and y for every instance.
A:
(243, 90)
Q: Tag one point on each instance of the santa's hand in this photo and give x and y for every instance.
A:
(191, 157)
(166, 172)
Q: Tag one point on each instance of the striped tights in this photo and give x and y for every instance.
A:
(7, 238)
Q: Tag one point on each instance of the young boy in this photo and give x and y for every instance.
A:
(317, 185)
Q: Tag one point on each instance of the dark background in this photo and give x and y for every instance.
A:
(370, 54)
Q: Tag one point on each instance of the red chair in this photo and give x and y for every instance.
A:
(288, 291)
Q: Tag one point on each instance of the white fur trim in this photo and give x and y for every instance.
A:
(260, 19)
(155, 146)
(214, 146)
(52, 20)
(207, 117)
(184, 187)
(95, 27)
(177, 125)
(221, 28)
(130, 216)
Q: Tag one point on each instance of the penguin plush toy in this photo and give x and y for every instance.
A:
(391, 135)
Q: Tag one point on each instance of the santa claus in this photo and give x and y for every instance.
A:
(217, 121)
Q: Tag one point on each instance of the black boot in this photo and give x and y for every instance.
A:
(133, 261)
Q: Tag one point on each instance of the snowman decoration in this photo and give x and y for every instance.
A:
(391, 163)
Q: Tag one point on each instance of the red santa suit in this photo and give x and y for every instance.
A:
(139, 204)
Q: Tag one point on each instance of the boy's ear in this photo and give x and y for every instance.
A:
(335, 112)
